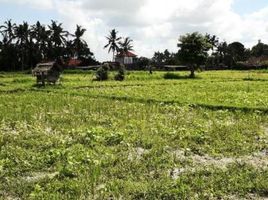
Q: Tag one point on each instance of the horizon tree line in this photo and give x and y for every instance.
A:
(194, 51)
(22, 46)
(221, 53)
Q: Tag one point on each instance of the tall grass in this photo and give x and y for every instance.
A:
(137, 139)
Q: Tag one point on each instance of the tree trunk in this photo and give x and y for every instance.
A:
(192, 75)
(22, 62)
(150, 69)
(43, 78)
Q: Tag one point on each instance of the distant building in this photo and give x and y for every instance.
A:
(73, 62)
(256, 61)
(126, 58)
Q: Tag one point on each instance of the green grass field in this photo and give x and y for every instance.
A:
(144, 138)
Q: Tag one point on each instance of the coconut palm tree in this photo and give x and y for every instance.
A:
(58, 35)
(78, 42)
(69, 49)
(7, 30)
(22, 34)
(126, 45)
(24, 45)
(113, 41)
(42, 38)
(8, 50)
(58, 38)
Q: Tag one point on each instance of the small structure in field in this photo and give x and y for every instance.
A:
(47, 72)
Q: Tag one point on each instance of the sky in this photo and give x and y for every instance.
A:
(154, 25)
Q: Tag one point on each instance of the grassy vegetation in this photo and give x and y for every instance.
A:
(143, 138)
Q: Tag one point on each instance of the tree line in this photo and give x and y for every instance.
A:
(218, 53)
(22, 46)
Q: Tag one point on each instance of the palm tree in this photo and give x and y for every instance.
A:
(213, 40)
(126, 45)
(41, 36)
(69, 49)
(78, 42)
(22, 34)
(8, 31)
(113, 42)
(8, 50)
(222, 51)
(58, 39)
(23, 45)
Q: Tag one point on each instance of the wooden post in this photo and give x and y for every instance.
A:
(43, 78)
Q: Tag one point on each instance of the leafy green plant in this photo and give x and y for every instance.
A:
(102, 73)
(114, 139)
(120, 76)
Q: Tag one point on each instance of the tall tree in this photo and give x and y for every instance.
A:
(7, 30)
(222, 49)
(236, 50)
(42, 38)
(193, 50)
(58, 38)
(22, 33)
(158, 58)
(213, 40)
(113, 41)
(8, 50)
(78, 43)
(126, 45)
(259, 49)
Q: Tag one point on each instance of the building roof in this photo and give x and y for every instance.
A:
(256, 61)
(47, 67)
(74, 62)
(43, 67)
(126, 54)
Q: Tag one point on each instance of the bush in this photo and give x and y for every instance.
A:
(102, 73)
(171, 76)
(120, 76)
(264, 65)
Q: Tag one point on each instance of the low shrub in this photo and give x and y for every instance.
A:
(169, 75)
(102, 73)
(264, 65)
(120, 76)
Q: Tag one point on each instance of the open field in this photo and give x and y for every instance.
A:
(143, 138)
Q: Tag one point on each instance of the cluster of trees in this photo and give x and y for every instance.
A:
(117, 44)
(165, 57)
(211, 51)
(22, 46)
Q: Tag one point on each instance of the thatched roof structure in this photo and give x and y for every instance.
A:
(45, 68)
(47, 72)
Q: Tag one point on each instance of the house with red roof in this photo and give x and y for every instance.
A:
(126, 58)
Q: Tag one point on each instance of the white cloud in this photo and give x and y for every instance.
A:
(156, 24)
(45, 4)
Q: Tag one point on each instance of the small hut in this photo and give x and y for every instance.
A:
(47, 72)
